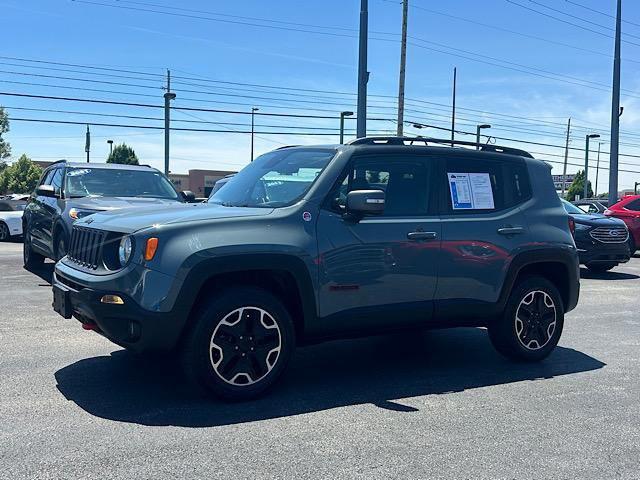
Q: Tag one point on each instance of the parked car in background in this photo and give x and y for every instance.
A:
(11, 212)
(220, 183)
(312, 243)
(602, 242)
(592, 206)
(628, 210)
(69, 191)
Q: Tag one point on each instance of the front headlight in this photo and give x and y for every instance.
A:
(581, 227)
(124, 250)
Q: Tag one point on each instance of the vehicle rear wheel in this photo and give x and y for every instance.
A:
(240, 344)
(532, 322)
(601, 267)
(32, 260)
(4, 232)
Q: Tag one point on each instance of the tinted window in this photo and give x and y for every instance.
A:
(4, 207)
(405, 184)
(46, 178)
(56, 178)
(509, 183)
(634, 205)
(571, 208)
(108, 182)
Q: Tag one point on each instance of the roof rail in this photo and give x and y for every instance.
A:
(438, 141)
(287, 146)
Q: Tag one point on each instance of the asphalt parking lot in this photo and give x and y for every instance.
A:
(439, 404)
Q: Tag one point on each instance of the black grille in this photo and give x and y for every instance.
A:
(610, 234)
(86, 247)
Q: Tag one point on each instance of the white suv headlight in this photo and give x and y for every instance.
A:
(124, 250)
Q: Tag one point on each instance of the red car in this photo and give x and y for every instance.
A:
(628, 209)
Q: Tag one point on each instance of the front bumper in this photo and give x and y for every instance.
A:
(128, 325)
(595, 252)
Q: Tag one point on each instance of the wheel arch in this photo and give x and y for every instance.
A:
(285, 276)
(560, 267)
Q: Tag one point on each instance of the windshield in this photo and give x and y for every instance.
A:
(107, 182)
(571, 208)
(275, 179)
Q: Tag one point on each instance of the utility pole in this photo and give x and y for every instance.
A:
(566, 157)
(253, 113)
(595, 193)
(87, 143)
(615, 113)
(363, 75)
(586, 163)
(403, 64)
(110, 142)
(635, 188)
(342, 115)
(453, 110)
(168, 96)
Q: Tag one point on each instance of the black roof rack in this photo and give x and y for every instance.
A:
(438, 141)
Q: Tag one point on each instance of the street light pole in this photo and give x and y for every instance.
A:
(453, 109)
(478, 128)
(342, 115)
(253, 112)
(110, 142)
(586, 163)
(87, 143)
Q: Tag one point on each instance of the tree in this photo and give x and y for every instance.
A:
(123, 154)
(20, 177)
(577, 187)
(5, 148)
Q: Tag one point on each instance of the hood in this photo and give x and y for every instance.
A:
(14, 214)
(130, 220)
(115, 203)
(597, 220)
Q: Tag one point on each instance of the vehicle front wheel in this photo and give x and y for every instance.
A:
(4, 232)
(31, 260)
(601, 267)
(240, 344)
(61, 247)
(532, 322)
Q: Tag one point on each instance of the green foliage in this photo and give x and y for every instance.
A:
(577, 187)
(20, 177)
(5, 148)
(123, 154)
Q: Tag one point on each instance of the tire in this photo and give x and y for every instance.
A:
(61, 247)
(5, 234)
(519, 334)
(251, 329)
(31, 260)
(601, 267)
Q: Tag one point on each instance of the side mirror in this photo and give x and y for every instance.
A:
(365, 202)
(188, 196)
(46, 191)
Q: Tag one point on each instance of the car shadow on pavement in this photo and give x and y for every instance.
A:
(612, 275)
(376, 370)
(45, 272)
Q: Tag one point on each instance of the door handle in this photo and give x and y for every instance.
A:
(510, 230)
(422, 235)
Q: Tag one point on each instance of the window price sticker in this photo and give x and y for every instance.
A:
(471, 191)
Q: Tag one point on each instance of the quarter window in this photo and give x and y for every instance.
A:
(634, 205)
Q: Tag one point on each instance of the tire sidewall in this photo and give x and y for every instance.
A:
(508, 327)
(196, 351)
(5, 234)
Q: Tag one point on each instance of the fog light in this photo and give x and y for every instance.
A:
(112, 299)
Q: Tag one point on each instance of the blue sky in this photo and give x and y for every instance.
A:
(518, 69)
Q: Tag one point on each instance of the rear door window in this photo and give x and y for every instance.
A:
(484, 186)
(634, 205)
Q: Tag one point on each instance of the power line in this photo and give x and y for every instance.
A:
(600, 12)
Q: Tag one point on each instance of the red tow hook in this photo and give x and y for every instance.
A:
(89, 326)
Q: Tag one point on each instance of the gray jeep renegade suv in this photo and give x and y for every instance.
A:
(312, 243)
